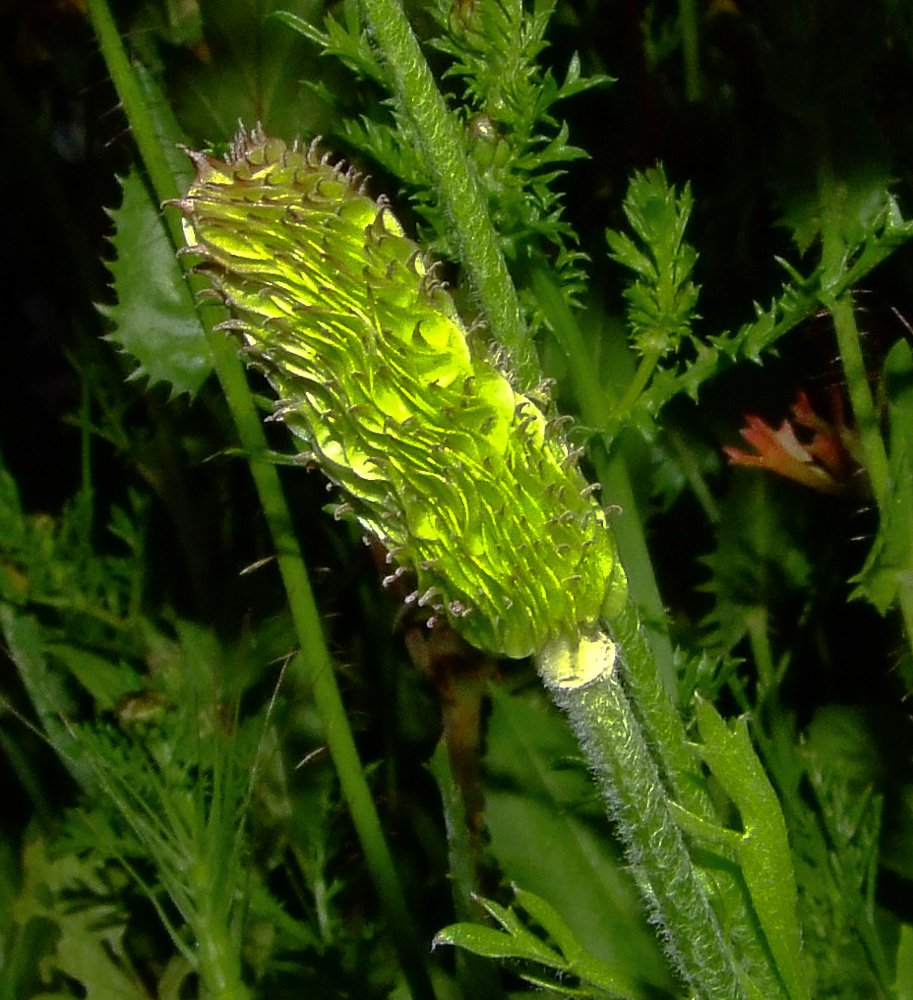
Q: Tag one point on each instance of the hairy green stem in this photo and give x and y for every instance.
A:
(647, 657)
(874, 453)
(633, 789)
(662, 725)
(314, 657)
(857, 381)
(438, 135)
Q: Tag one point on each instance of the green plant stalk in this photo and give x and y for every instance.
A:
(874, 453)
(319, 674)
(662, 725)
(648, 660)
(437, 131)
(634, 794)
(133, 101)
(477, 977)
(637, 384)
(681, 777)
(218, 958)
(857, 381)
(217, 830)
(651, 702)
(196, 851)
(688, 20)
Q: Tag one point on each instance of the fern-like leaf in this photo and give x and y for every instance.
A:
(662, 298)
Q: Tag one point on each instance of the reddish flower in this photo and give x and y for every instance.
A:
(824, 460)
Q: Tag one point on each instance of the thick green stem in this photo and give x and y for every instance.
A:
(438, 136)
(661, 723)
(219, 959)
(319, 676)
(857, 381)
(632, 786)
(874, 453)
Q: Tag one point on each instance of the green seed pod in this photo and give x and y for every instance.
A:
(460, 477)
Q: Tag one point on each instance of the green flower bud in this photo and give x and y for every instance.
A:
(461, 478)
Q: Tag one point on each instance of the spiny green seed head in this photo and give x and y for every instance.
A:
(461, 478)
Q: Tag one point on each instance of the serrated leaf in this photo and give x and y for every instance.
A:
(763, 854)
(661, 303)
(155, 319)
(624, 251)
(347, 42)
(575, 83)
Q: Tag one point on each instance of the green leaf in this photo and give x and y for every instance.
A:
(551, 922)
(761, 565)
(520, 943)
(108, 681)
(490, 943)
(24, 640)
(661, 301)
(348, 42)
(71, 894)
(155, 318)
(763, 854)
(590, 969)
(837, 835)
(12, 523)
(798, 300)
